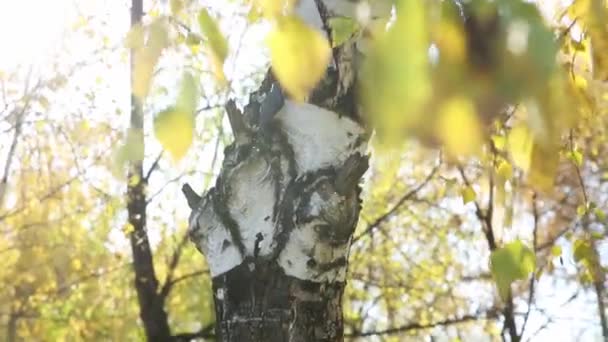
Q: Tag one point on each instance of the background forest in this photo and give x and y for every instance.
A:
(475, 223)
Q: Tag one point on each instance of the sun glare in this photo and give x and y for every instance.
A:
(30, 30)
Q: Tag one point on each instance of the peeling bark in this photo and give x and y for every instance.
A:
(277, 226)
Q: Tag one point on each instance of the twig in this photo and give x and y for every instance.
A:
(398, 205)
(417, 326)
(153, 167)
(532, 278)
(168, 284)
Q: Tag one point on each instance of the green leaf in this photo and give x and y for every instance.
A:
(299, 55)
(599, 213)
(468, 195)
(187, 98)
(512, 262)
(396, 80)
(556, 251)
(583, 252)
(581, 210)
(131, 151)
(342, 29)
(576, 157)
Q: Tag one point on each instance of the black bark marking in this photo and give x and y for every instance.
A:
(258, 239)
(225, 245)
(219, 201)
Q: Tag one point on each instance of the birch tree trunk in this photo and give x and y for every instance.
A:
(276, 227)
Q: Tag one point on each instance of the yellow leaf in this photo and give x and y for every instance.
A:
(174, 129)
(158, 37)
(342, 28)
(598, 32)
(395, 83)
(544, 162)
(135, 37)
(450, 40)
(459, 127)
(299, 55)
(146, 57)
(504, 170)
(176, 6)
(143, 68)
(520, 143)
(76, 264)
(468, 195)
(217, 47)
(128, 229)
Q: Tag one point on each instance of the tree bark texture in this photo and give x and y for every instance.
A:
(276, 227)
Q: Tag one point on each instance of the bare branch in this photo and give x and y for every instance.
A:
(398, 205)
(168, 284)
(153, 167)
(492, 314)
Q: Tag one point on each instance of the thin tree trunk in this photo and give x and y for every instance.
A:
(151, 305)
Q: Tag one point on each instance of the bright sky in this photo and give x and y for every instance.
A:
(31, 30)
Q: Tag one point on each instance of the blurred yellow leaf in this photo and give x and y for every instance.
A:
(395, 75)
(143, 67)
(598, 32)
(146, 57)
(468, 195)
(544, 162)
(135, 37)
(458, 127)
(451, 41)
(176, 6)
(504, 170)
(77, 264)
(158, 36)
(299, 55)
(342, 28)
(174, 129)
(520, 143)
(217, 47)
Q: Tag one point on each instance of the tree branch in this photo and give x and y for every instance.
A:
(153, 167)
(491, 314)
(168, 283)
(396, 207)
